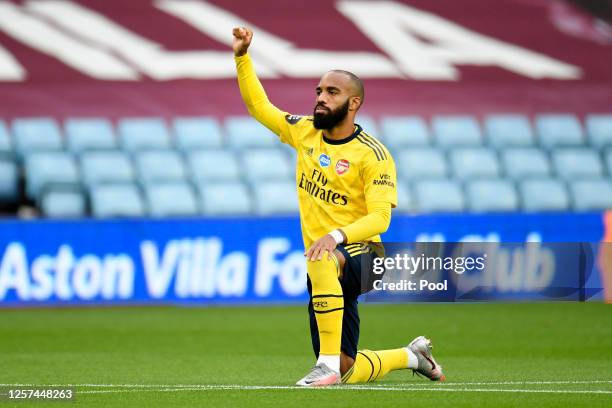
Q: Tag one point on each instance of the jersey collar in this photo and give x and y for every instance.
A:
(346, 139)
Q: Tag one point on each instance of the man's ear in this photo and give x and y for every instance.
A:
(354, 103)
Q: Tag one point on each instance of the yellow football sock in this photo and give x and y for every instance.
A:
(328, 303)
(372, 365)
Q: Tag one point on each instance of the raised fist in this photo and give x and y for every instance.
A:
(242, 40)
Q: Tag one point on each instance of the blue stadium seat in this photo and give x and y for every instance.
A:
(439, 196)
(521, 162)
(266, 164)
(116, 200)
(574, 163)
(405, 202)
(36, 134)
(229, 198)
(608, 161)
(9, 180)
(556, 130)
(599, 130)
(5, 139)
(171, 199)
(368, 124)
(454, 131)
(544, 195)
(508, 131)
(159, 165)
(213, 165)
(470, 163)
(589, 195)
(276, 197)
(197, 133)
(246, 132)
(63, 202)
(89, 134)
(143, 134)
(106, 167)
(421, 163)
(491, 196)
(404, 131)
(44, 168)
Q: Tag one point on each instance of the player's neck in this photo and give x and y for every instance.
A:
(341, 131)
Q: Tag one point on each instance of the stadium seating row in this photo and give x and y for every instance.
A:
(180, 198)
(132, 134)
(153, 166)
(73, 168)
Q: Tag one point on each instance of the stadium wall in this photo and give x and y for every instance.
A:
(232, 261)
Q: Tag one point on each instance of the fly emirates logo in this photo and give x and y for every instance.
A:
(316, 186)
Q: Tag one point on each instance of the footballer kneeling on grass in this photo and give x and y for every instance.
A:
(346, 188)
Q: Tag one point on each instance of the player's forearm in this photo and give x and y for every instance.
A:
(376, 222)
(254, 95)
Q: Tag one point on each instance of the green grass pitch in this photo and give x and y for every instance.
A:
(494, 355)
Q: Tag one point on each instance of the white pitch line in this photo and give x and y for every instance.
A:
(125, 388)
(228, 386)
(345, 387)
(516, 383)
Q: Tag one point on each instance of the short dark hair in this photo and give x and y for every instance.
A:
(356, 81)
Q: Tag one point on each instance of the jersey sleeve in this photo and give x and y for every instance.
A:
(254, 96)
(380, 179)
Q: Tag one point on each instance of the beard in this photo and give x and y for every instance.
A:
(330, 119)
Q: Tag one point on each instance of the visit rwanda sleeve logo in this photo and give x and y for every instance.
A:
(292, 119)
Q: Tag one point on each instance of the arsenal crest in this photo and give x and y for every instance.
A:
(342, 166)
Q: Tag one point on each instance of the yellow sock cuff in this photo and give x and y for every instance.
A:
(372, 365)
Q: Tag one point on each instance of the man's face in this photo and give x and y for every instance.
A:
(333, 100)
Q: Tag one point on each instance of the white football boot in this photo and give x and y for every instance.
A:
(428, 367)
(320, 376)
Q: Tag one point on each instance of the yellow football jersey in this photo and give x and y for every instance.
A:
(336, 179)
